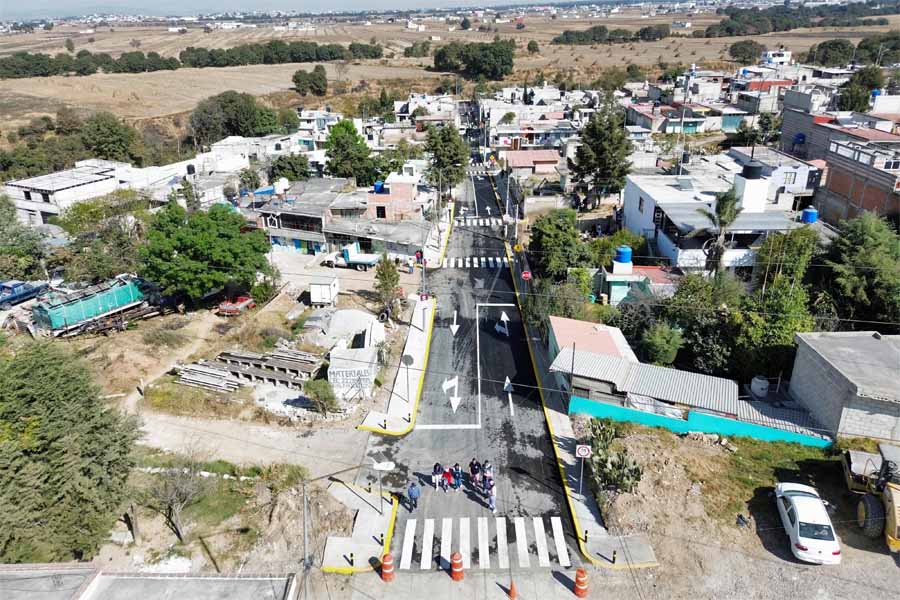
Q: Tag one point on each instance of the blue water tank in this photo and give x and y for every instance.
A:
(876, 93)
(809, 215)
(379, 187)
(623, 254)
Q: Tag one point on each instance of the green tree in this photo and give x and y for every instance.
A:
(661, 343)
(70, 45)
(449, 155)
(109, 138)
(533, 47)
(348, 155)
(601, 162)
(387, 281)
(610, 80)
(635, 72)
(266, 121)
(722, 217)
(191, 255)
(64, 458)
(556, 245)
(870, 78)
(603, 249)
(322, 396)
(301, 82)
(294, 167)
(863, 272)
(191, 201)
(288, 120)
(550, 298)
(785, 255)
(746, 51)
(854, 97)
(507, 118)
(831, 53)
(318, 81)
(67, 121)
(465, 24)
(207, 122)
(249, 179)
(20, 246)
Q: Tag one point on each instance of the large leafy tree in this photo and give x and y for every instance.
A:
(854, 97)
(387, 280)
(20, 246)
(785, 255)
(661, 343)
(746, 51)
(863, 272)
(831, 53)
(295, 167)
(348, 155)
(449, 155)
(601, 162)
(556, 245)
(108, 137)
(191, 255)
(64, 458)
(720, 218)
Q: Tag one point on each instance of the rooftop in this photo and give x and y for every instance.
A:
(402, 232)
(685, 216)
(528, 158)
(64, 180)
(766, 155)
(591, 337)
(867, 359)
(866, 133)
(661, 383)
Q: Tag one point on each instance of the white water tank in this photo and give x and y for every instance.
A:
(759, 387)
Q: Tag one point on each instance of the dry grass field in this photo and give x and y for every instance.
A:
(151, 95)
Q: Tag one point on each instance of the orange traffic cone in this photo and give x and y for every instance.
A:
(456, 568)
(387, 567)
(581, 586)
(512, 593)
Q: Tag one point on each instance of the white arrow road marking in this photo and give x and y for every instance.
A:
(508, 388)
(454, 328)
(504, 317)
(454, 385)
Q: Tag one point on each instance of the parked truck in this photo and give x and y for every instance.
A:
(94, 307)
(323, 291)
(15, 292)
(350, 256)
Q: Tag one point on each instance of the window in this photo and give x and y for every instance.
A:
(581, 392)
(45, 197)
(790, 178)
(816, 531)
(28, 195)
(380, 212)
(641, 204)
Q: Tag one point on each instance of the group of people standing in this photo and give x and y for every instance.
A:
(481, 478)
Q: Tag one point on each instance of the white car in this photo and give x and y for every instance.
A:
(807, 524)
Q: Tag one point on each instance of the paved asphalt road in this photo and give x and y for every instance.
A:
(508, 429)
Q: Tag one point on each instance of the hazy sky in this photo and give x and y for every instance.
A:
(9, 9)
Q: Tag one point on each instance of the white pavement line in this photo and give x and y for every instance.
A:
(540, 538)
(484, 548)
(427, 544)
(502, 548)
(467, 262)
(409, 538)
(459, 263)
(448, 426)
(446, 539)
(521, 542)
(464, 547)
(559, 538)
(444, 263)
(480, 261)
(505, 262)
(493, 304)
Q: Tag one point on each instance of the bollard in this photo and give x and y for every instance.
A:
(387, 567)
(585, 536)
(581, 586)
(614, 557)
(381, 537)
(352, 560)
(456, 567)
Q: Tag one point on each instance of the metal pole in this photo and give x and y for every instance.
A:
(380, 495)
(581, 477)
(516, 225)
(305, 546)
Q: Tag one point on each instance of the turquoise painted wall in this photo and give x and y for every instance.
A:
(696, 421)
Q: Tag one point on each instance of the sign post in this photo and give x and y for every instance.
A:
(582, 451)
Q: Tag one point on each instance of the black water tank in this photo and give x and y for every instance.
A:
(685, 158)
(191, 170)
(753, 170)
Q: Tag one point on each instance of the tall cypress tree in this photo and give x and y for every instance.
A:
(601, 161)
(64, 458)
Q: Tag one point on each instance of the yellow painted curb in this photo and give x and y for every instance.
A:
(388, 536)
(562, 471)
(415, 410)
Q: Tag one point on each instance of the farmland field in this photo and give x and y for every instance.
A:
(150, 95)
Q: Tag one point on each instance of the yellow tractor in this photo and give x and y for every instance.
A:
(877, 478)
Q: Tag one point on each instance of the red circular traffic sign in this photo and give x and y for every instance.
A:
(526, 275)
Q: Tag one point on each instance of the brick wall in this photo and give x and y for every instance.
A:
(820, 388)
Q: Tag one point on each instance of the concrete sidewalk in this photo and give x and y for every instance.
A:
(594, 540)
(436, 244)
(403, 404)
(373, 526)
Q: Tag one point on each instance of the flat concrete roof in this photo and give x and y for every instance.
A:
(47, 582)
(869, 360)
(164, 587)
(64, 180)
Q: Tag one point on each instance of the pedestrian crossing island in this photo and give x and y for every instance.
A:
(484, 543)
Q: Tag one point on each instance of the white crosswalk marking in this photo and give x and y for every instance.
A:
(499, 262)
(446, 539)
(491, 261)
(464, 547)
(480, 261)
(467, 262)
(559, 540)
(427, 544)
(444, 263)
(484, 549)
(521, 542)
(409, 537)
(540, 539)
(502, 548)
(505, 262)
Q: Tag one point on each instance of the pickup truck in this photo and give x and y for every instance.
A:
(16, 292)
(349, 257)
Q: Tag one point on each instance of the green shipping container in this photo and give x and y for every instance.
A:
(61, 311)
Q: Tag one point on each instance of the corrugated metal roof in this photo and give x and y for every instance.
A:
(662, 383)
